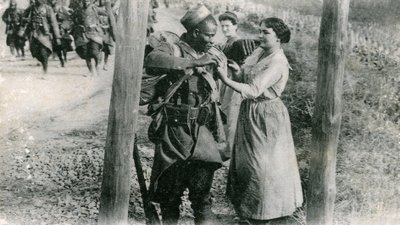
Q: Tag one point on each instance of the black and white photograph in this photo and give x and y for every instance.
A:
(200, 112)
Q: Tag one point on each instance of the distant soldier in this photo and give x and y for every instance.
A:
(42, 28)
(15, 31)
(108, 35)
(88, 33)
(150, 20)
(166, 3)
(63, 17)
(115, 7)
(154, 5)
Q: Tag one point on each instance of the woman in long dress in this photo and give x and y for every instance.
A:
(263, 181)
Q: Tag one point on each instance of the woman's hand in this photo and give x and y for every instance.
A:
(235, 69)
(222, 72)
(234, 66)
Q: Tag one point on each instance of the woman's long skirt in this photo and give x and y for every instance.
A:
(264, 181)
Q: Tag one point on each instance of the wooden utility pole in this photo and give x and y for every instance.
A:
(123, 113)
(327, 113)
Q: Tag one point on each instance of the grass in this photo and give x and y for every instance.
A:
(368, 157)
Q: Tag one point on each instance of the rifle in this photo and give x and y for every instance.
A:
(150, 211)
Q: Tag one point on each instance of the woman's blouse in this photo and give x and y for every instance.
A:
(264, 77)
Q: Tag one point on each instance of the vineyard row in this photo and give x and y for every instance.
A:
(372, 42)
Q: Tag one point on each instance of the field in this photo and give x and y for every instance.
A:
(53, 127)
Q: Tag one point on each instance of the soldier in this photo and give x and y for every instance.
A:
(154, 5)
(187, 125)
(150, 21)
(42, 28)
(88, 33)
(166, 3)
(63, 17)
(15, 31)
(108, 37)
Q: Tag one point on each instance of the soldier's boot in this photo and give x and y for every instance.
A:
(170, 213)
(92, 70)
(22, 52)
(202, 212)
(45, 64)
(89, 65)
(98, 59)
(43, 57)
(105, 66)
(60, 57)
(12, 50)
(64, 52)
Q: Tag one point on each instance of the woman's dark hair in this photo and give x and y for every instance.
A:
(279, 27)
(229, 16)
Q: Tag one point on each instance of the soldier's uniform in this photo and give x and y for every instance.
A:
(15, 32)
(108, 41)
(150, 21)
(191, 131)
(87, 31)
(64, 20)
(42, 28)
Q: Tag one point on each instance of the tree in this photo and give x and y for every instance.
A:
(123, 113)
(327, 113)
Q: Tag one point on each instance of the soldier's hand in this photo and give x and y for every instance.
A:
(206, 59)
(58, 41)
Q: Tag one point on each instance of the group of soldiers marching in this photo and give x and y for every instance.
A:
(52, 28)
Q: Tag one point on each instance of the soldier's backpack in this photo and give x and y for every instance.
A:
(150, 84)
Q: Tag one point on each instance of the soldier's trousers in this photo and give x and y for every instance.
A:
(39, 51)
(89, 51)
(197, 177)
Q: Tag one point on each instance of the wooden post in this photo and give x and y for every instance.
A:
(123, 113)
(327, 113)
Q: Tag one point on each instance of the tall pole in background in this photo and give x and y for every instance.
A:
(123, 113)
(327, 113)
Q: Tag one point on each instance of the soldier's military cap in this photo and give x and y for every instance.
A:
(194, 16)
